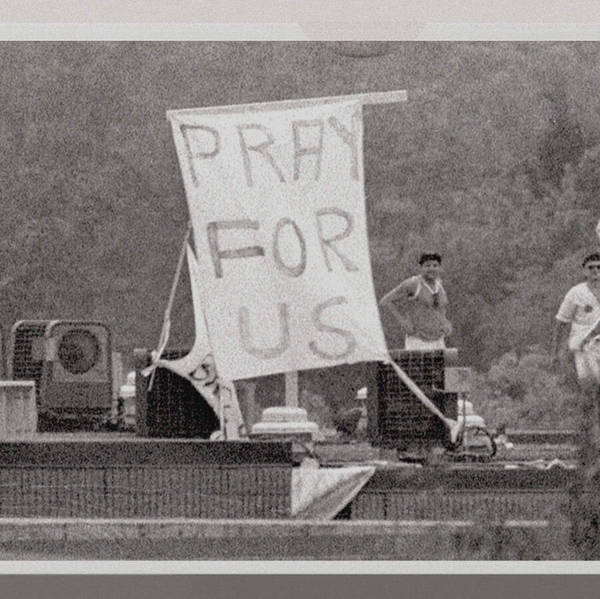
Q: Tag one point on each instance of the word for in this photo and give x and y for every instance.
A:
(261, 150)
(327, 243)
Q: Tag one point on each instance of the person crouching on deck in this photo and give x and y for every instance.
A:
(419, 306)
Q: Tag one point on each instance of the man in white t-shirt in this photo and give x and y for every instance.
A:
(578, 319)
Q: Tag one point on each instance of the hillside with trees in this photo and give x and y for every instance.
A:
(493, 161)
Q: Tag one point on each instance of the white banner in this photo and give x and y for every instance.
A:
(276, 198)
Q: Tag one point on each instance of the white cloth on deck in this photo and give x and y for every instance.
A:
(319, 493)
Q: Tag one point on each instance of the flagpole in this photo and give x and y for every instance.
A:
(370, 98)
(166, 327)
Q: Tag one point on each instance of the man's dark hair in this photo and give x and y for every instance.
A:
(595, 257)
(427, 257)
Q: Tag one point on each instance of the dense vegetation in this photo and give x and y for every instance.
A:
(493, 161)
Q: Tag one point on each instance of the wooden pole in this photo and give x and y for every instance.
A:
(388, 97)
(291, 389)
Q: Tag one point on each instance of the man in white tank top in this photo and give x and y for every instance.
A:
(419, 306)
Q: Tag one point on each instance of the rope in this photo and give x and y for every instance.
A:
(166, 327)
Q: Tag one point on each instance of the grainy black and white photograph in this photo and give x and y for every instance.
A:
(300, 301)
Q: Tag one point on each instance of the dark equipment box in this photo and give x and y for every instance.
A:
(396, 417)
(172, 408)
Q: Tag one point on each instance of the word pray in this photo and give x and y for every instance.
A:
(255, 140)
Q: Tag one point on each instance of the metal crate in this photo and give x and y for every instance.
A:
(26, 359)
(70, 363)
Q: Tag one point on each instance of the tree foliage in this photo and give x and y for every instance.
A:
(493, 161)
